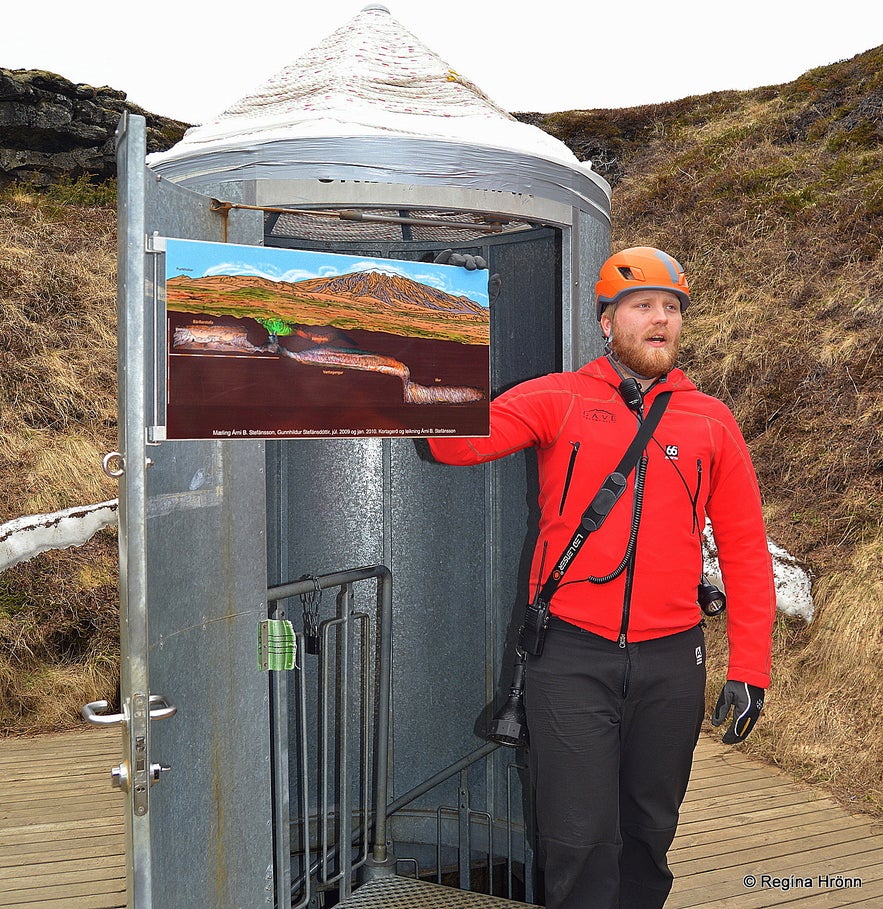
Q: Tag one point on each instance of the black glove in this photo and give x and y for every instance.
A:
(746, 701)
(470, 262)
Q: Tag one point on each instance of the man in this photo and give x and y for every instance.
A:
(615, 699)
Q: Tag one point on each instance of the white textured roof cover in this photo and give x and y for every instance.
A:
(371, 77)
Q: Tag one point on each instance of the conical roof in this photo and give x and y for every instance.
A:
(370, 77)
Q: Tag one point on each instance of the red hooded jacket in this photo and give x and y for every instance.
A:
(697, 465)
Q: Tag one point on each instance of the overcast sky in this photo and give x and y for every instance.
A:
(190, 59)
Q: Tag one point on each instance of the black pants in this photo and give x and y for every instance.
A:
(612, 733)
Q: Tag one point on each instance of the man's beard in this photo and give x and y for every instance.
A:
(645, 362)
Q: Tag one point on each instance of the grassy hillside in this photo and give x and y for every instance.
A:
(58, 615)
(772, 199)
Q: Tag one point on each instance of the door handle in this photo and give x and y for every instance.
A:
(136, 776)
(158, 709)
(92, 714)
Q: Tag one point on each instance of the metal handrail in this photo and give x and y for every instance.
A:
(346, 834)
(344, 580)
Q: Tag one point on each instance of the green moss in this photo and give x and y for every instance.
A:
(12, 601)
(83, 191)
(863, 134)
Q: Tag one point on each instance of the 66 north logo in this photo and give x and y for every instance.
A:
(671, 452)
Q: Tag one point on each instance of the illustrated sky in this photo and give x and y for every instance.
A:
(196, 260)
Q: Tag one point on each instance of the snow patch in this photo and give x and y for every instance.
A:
(23, 538)
(793, 583)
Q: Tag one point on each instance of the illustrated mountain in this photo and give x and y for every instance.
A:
(372, 301)
(393, 290)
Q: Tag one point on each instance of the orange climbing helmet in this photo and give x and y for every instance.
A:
(639, 268)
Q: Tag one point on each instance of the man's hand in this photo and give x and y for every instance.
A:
(747, 703)
(469, 262)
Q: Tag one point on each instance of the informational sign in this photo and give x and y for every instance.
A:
(285, 344)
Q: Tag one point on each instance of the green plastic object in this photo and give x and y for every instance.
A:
(277, 645)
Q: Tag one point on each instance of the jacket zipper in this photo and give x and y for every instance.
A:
(568, 476)
(623, 631)
(630, 567)
(696, 494)
(627, 602)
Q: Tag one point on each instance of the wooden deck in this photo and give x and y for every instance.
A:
(62, 832)
(750, 838)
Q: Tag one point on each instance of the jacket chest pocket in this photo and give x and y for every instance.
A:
(568, 476)
(686, 471)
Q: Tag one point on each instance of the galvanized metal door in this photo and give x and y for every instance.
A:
(196, 714)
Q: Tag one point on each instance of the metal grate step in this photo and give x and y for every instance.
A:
(407, 893)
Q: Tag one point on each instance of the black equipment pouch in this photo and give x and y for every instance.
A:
(532, 634)
(605, 498)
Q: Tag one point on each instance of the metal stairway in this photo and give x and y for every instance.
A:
(334, 840)
(406, 893)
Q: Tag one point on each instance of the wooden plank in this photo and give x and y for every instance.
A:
(751, 838)
(65, 808)
(99, 850)
(62, 833)
(712, 834)
(36, 899)
(765, 897)
(36, 834)
(62, 826)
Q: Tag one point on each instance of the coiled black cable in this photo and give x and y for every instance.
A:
(640, 473)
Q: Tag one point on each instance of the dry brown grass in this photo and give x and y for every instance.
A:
(821, 720)
(59, 637)
(775, 210)
(58, 343)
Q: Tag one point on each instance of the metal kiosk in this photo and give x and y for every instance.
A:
(364, 768)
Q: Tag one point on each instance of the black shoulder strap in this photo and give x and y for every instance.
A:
(606, 497)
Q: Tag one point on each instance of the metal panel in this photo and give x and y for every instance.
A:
(207, 593)
(193, 581)
(438, 561)
(456, 539)
(396, 159)
(592, 247)
(132, 371)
